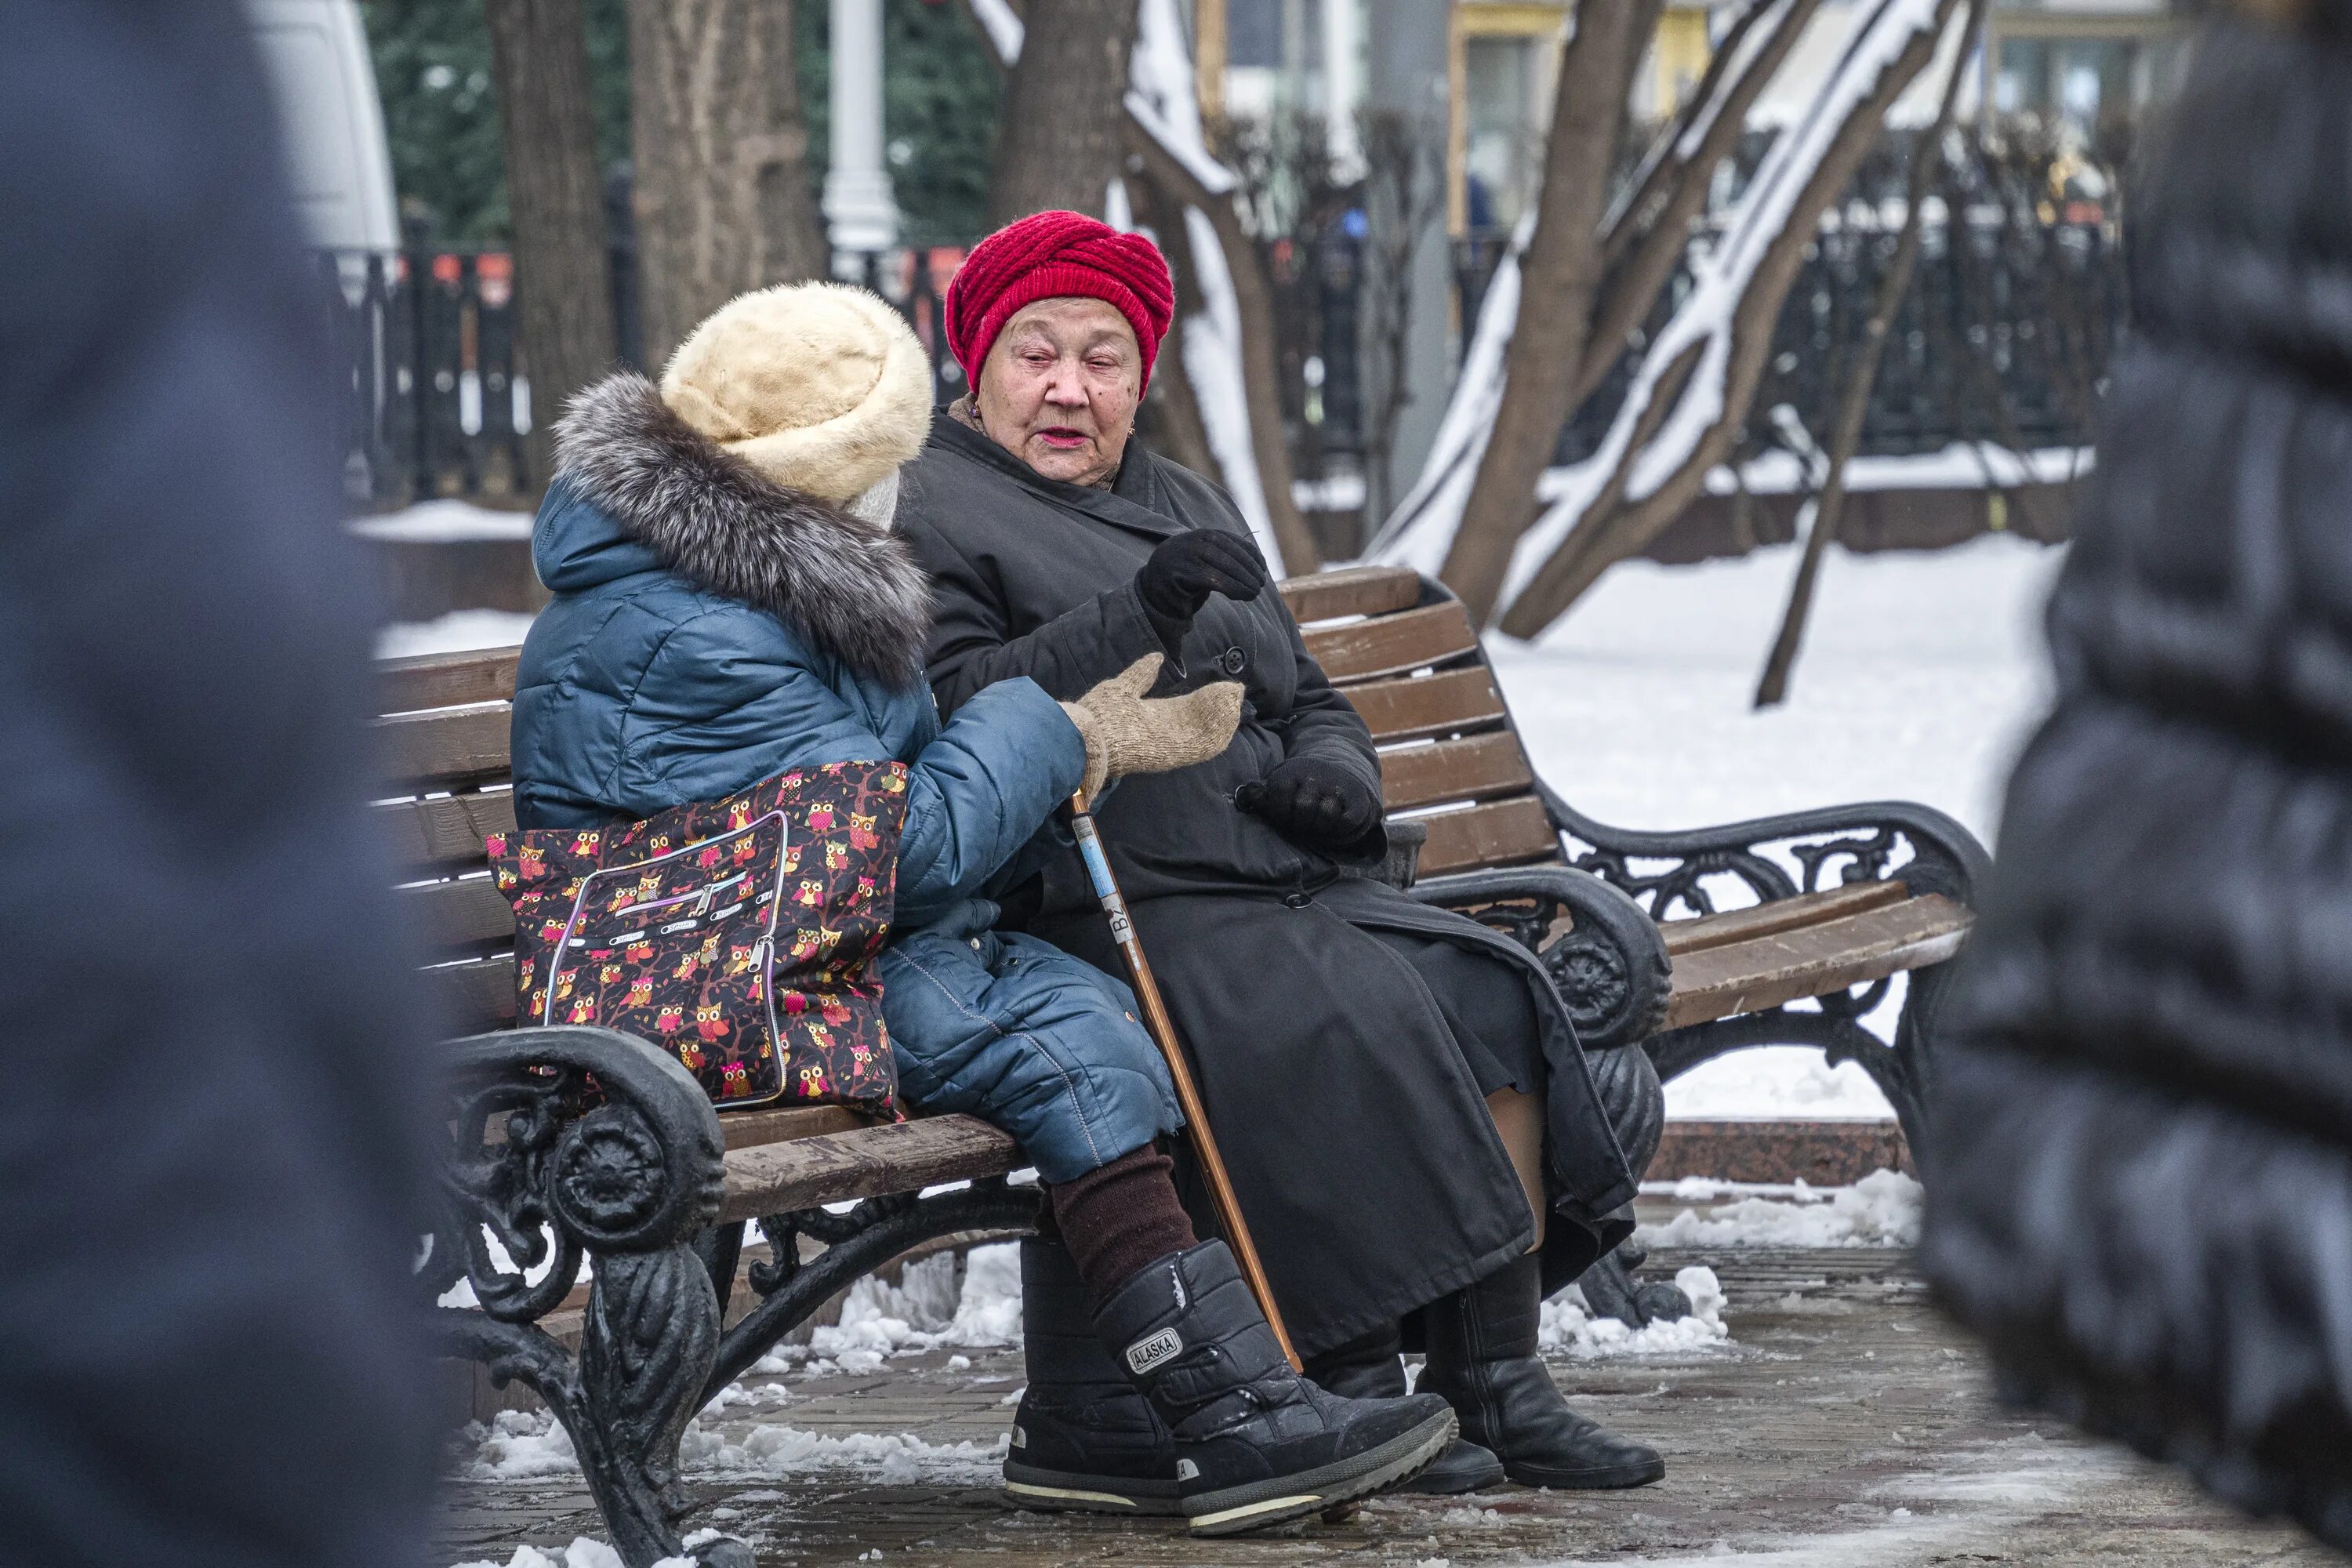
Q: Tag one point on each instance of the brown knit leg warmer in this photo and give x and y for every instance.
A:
(1120, 1218)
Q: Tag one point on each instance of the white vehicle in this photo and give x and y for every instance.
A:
(315, 55)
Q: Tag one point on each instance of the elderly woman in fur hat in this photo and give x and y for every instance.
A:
(731, 603)
(1421, 1145)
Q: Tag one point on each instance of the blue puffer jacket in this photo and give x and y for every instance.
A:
(658, 677)
(710, 629)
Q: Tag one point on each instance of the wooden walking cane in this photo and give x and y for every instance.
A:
(1188, 1095)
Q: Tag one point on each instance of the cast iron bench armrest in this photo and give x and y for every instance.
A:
(1610, 967)
(1859, 840)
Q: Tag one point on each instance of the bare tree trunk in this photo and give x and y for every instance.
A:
(1773, 687)
(722, 193)
(1261, 375)
(1609, 532)
(1180, 432)
(1062, 139)
(1559, 274)
(562, 258)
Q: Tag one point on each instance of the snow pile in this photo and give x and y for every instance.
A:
(525, 1444)
(1880, 1210)
(1569, 1329)
(460, 631)
(516, 1445)
(924, 1313)
(582, 1553)
(877, 1458)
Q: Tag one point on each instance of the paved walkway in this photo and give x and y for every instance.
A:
(1845, 1424)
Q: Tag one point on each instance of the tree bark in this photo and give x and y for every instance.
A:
(562, 258)
(1062, 139)
(1178, 431)
(1261, 375)
(722, 193)
(1559, 274)
(1855, 400)
(1606, 535)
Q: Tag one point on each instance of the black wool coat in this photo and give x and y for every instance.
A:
(2142, 1185)
(1359, 1140)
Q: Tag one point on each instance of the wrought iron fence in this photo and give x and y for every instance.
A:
(2003, 337)
(435, 402)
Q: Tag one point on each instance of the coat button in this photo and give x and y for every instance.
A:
(1296, 901)
(1233, 661)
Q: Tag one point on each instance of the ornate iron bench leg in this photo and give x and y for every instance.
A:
(574, 1144)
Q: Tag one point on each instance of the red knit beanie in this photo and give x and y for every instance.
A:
(1048, 255)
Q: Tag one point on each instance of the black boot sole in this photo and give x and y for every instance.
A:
(1455, 1474)
(1063, 1491)
(1261, 1505)
(1608, 1478)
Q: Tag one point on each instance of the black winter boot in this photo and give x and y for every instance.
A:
(1083, 1440)
(1483, 1359)
(1255, 1443)
(1372, 1367)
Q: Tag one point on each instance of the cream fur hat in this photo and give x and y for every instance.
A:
(821, 386)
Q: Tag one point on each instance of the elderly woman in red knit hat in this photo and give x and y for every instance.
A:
(1419, 1141)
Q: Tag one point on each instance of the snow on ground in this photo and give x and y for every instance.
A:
(1921, 674)
(1781, 1082)
(1880, 1210)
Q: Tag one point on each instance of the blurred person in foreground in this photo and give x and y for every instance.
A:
(208, 1059)
(2141, 1180)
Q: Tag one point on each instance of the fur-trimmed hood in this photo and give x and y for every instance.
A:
(850, 586)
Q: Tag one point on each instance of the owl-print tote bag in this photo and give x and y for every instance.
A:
(737, 935)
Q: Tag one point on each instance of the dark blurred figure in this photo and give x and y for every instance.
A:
(209, 1184)
(2142, 1185)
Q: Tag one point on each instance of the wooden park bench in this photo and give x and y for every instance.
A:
(1687, 944)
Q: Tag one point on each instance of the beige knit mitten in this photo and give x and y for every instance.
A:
(1127, 732)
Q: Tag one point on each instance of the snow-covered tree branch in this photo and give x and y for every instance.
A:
(1471, 513)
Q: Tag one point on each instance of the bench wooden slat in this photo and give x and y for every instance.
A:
(1764, 971)
(1479, 768)
(475, 996)
(1419, 707)
(1393, 645)
(470, 913)
(1781, 914)
(1502, 832)
(447, 831)
(446, 679)
(871, 1162)
(446, 747)
(1351, 591)
(787, 1124)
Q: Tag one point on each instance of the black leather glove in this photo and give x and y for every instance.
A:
(1182, 574)
(1312, 801)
